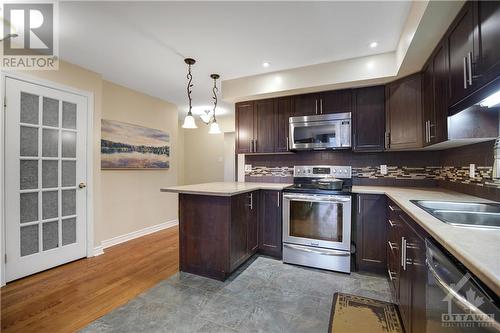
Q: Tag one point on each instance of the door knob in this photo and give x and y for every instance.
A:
(82, 185)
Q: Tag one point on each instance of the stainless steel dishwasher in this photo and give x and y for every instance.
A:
(455, 301)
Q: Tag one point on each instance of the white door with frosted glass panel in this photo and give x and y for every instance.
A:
(45, 177)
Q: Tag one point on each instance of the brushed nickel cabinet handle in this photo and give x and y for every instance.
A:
(470, 68)
(465, 72)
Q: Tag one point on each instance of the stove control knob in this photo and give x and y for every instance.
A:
(334, 171)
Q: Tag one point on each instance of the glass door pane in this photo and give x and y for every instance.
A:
(316, 220)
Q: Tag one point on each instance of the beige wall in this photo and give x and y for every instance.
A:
(131, 199)
(204, 153)
(124, 201)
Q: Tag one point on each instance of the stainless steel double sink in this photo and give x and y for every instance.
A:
(463, 214)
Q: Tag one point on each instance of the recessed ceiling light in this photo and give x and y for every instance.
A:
(373, 45)
(265, 64)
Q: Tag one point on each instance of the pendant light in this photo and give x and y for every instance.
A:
(214, 127)
(189, 120)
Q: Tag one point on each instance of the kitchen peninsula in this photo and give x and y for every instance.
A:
(219, 225)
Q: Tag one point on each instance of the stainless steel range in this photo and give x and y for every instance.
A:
(317, 218)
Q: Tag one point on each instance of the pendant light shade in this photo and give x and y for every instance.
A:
(214, 128)
(189, 120)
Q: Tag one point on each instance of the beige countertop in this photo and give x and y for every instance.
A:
(478, 250)
(225, 189)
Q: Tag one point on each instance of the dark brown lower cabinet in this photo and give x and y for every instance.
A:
(371, 233)
(270, 225)
(406, 267)
(217, 234)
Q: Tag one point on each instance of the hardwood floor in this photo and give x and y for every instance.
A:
(68, 297)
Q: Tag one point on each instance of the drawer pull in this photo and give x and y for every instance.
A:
(392, 224)
(394, 209)
(392, 246)
(392, 275)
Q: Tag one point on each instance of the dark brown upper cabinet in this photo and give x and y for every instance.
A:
(435, 96)
(488, 13)
(244, 122)
(305, 105)
(336, 101)
(368, 119)
(264, 131)
(403, 108)
(463, 53)
(474, 53)
(255, 127)
(283, 111)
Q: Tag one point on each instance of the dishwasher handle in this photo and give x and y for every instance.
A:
(435, 259)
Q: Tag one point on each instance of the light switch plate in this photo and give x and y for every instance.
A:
(383, 169)
(248, 167)
(472, 170)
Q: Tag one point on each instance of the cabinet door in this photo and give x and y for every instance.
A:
(404, 113)
(244, 127)
(415, 256)
(369, 119)
(439, 129)
(282, 113)
(264, 126)
(371, 233)
(337, 101)
(239, 229)
(270, 225)
(489, 34)
(428, 115)
(461, 43)
(305, 105)
(405, 280)
(253, 222)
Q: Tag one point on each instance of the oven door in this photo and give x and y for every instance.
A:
(317, 220)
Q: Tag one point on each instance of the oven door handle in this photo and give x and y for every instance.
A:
(316, 198)
(463, 302)
(325, 252)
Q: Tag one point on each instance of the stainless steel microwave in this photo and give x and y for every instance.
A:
(326, 131)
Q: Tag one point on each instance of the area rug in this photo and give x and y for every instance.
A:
(356, 314)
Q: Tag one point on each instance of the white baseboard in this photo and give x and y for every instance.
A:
(98, 250)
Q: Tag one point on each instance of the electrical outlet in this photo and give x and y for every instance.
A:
(472, 170)
(383, 169)
(248, 167)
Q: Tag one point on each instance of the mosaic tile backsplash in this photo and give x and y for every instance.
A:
(449, 173)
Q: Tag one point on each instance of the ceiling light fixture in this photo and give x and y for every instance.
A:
(214, 127)
(373, 45)
(189, 120)
(266, 64)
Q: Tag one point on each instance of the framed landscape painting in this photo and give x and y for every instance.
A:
(127, 146)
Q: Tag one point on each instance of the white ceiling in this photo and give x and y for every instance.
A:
(142, 45)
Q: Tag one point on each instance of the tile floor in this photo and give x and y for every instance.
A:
(264, 295)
